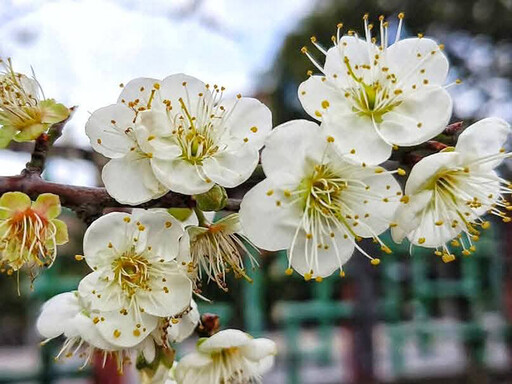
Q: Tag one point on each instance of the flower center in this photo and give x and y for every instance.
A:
(27, 237)
(131, 271)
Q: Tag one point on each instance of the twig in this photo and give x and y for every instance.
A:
(43, 144)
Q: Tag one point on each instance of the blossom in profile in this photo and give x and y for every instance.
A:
(30, 231)
(218, 248)
(69, 315)
(314, 203)
(177, 134)
(137, 277)
(24, 114)
(372, 96)
(229, 356)
(448, 193)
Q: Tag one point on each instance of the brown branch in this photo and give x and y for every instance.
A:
(89, 202)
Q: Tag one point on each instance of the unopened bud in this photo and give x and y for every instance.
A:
(213, 200)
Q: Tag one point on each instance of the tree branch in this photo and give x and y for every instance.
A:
(89, 202)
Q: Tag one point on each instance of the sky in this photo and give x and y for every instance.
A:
(81, 50)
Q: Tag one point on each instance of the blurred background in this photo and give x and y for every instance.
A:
(410, 320)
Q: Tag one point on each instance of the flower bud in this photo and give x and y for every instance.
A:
(213, 200)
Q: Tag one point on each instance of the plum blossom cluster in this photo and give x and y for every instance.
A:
(327, 187)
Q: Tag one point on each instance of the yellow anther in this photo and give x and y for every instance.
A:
(156, 86)
(458, 81)
(313, 39)
(141, 227)
(386, 249)
(375, 261)
(401, 172)
(287, 193)
(401, 15)
(379, 170)
(79, 257)
(151, 137)
(330, 139)
(448, 257)
(506, 219)
(168, 224)
(439, 223)
(136, 333)
(438, 253)
(421, 240)
(472, 248)
(309, 236)
(254, 129)
(319, 279)
(466, 252)
(270, 192)
(308, 276)
(339, 25)
(117, 333)
(352, 151)
(455, 243)
(318, 114)
(342, 273)
(325, 104)
(404, 199)
(304, 50)
(98, 141)
(486, 225)
(288, 271)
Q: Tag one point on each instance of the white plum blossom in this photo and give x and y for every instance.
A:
(216, 248)
(137, 278)
(229, 356)
(314, 203)
(177, 134)
(371, 96)
(447, 193)
(69, 315)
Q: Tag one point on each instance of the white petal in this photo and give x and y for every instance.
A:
(148, 349)
(290, 147)
(108, 229)
(170, 302)
(106, 130)
(100, 294)
(173, 89)
(56, 313)
(258, 349)
(180, 176)
(162, 233)
(315, 92)
(307, 257)
(232, 167)
(248, 118)
(268, 225)
(176, 333)
(356, 138)
(412, 61)
(224, 339)
(423, 114)
(192, 360)
(140, 89)
(380, 213)
(90, 333)
(138, 174)
(159, 147)
(122, 330)
(483, 138)
(357, 51)
(408, 216)
(426, 168)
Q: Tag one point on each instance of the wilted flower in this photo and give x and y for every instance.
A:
(314, 203)
(177, 134)
(448, 192)
(23, 114)
(29, 231)
(137, 279)
(371, 96)
(218, 248)
(229, 356)
(68, 314)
